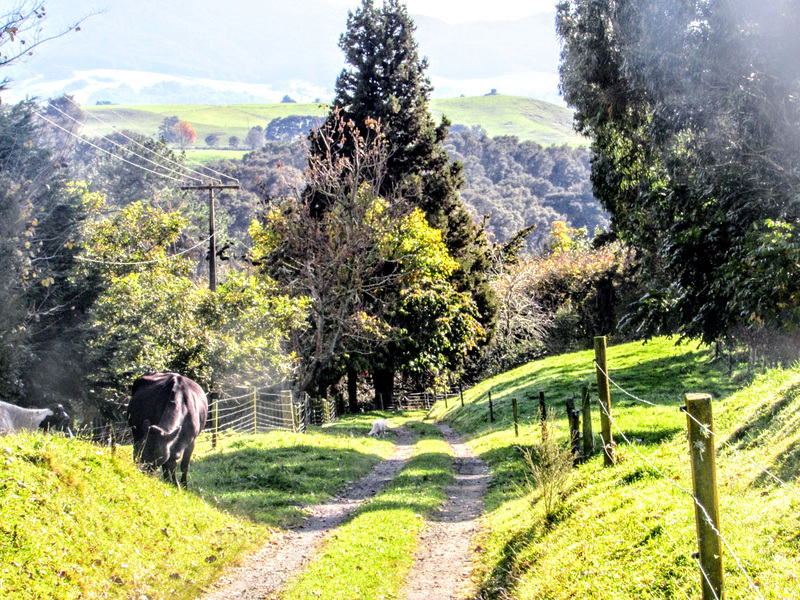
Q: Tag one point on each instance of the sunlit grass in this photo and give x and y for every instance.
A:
(79, 521)
(629, 531)
(371, 554)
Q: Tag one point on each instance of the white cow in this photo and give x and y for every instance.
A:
(14, 418)
(378, 428)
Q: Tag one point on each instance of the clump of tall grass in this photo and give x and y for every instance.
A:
(548, 467)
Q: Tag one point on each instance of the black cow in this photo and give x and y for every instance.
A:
(166, 414)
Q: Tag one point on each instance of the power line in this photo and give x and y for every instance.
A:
(131, 151)
(142, 262)
(196, 172)
(182, 166)
(117, 156)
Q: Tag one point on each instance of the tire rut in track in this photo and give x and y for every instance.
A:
(442, 563)
(264, 573)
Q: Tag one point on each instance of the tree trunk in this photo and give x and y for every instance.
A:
(383, 380)
(352, 389)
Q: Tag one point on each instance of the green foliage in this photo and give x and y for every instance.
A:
(522, 184)
(155, 316)
(692, 113)
(558, 301)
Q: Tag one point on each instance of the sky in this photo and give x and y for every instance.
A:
(461, 11)
(240, 51)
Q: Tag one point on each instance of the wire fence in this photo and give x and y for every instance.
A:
(243, 411)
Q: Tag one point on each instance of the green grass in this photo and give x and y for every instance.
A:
(526, 118)
(628, 531)
(268, 478)
(225, 120)
(79, 521)
(371, 554)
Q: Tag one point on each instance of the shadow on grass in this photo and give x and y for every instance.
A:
(271, 485)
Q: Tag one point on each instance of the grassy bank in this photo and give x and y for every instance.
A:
(79, 521)
(629, 531)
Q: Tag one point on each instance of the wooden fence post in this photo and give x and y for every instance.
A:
(588, 435)
(605, 400)
(255, 410)
(491, 408)
(704, 481)
(543, 415)
(516, 419)
(574, 420)
(461, 393)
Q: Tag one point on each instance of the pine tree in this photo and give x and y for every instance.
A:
(385, 82)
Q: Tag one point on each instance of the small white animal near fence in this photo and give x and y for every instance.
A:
(378, 428)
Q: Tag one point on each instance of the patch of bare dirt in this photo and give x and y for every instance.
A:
(442, 564)
(263, 573)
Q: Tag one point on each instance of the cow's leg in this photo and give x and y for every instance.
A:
(187, 457)
(170, 471)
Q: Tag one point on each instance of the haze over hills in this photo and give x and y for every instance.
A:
(199, 52)
(526, 118)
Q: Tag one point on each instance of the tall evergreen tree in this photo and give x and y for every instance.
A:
(385, 82)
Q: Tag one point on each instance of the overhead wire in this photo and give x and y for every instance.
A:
(87, 142)
(134, 141)
(142, 262)
(144, 158)
(134, 126)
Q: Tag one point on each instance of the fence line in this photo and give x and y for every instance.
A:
(694, 498)
(241, 413)
(723, 441)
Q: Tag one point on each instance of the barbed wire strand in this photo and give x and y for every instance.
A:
(690, 494)
(707, 429)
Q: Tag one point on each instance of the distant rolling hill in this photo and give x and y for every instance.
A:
(526, 118)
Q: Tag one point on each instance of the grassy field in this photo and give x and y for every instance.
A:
(526, 118)
(628, 531)
(80, 521)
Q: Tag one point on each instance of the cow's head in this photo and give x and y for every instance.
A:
(57, 420)
(157, 445)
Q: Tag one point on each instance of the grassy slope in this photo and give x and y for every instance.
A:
(628, 532)
(79, 521)
(526, 118)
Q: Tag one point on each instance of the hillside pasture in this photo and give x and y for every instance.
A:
(526, 118)
(629, 531)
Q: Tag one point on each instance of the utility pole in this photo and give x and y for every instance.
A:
(212, 285)
(212, 238)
